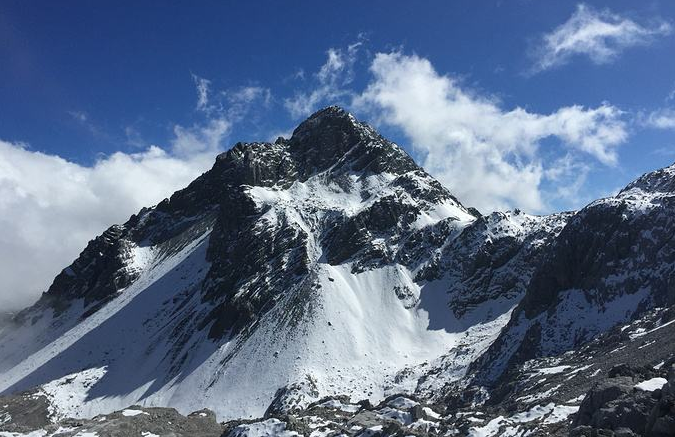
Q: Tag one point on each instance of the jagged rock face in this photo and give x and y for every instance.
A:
(493, 258)
(332, 138)
(330, 143)
(99, 271)
(612, 261)
(106, 266)
(253, 261)
(260, 251)
(257, 250)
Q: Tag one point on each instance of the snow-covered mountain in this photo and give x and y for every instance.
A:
(325, 265)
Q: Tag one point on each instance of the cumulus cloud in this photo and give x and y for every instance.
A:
(330, 82)
(50, 207)
(601, 35)
(488, 156)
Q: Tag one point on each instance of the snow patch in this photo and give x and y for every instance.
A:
(267, 428)
(131, 412)
(651, 384)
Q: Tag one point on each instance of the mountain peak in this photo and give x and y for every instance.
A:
(332, 137)
(333, 112)
(327, 120)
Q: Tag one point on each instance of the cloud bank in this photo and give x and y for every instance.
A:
(50, 207)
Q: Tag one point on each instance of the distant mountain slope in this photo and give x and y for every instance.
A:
(614, 260)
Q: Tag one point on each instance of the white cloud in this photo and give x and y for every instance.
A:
(330, 82)
(200, 138)
(202, 85)
(80, 116)
(601, 35)
(50, 207)
(239, 100)
(661, 119)
(488, 156)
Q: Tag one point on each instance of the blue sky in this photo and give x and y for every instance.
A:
(542, 105)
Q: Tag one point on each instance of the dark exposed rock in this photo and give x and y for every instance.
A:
(596, 408)
(623, 369)
(616, 405)
(333, 138)
(494, 257)
(252, 266)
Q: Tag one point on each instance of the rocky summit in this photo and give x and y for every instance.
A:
(325, 285)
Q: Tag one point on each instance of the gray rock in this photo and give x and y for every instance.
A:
(24, 412)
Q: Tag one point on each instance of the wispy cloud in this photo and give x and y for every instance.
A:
(665, 151)
(663, 118)
(671, 95)
(330, 83)
(222, 109)
(79, 116)
(239, 100)
(490, 157)
(83, 119)
(568, 176)
(202, 85)
(600, 35)
(134, 137)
